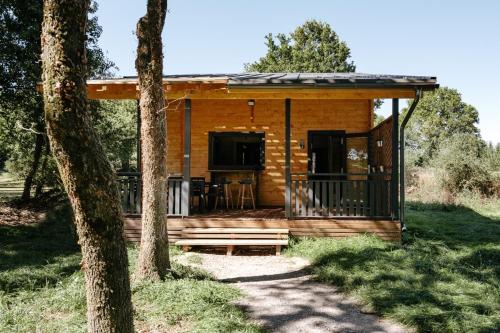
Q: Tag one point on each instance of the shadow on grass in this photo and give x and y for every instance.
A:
(444, 278)
(33, 256)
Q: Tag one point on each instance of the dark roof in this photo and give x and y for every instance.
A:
(348, 80)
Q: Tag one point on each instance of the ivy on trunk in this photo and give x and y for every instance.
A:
(85, 171)
(154, 260)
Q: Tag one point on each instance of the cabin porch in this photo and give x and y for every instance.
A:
(262, 225)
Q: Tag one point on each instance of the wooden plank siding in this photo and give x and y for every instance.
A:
(217, 115)
(337, 228)
(220, 90)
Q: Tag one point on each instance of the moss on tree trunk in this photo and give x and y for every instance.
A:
(86, 173)
(154, 259)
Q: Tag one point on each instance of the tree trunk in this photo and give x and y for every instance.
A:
(154, 260)
(85, 172)
(37, 153)
(43, 175)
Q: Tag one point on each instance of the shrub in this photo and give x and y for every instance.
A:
(463, 166)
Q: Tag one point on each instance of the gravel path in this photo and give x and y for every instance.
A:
(282, 297)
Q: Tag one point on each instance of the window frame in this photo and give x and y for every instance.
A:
(236, 167)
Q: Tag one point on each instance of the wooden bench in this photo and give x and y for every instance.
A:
(231, 237)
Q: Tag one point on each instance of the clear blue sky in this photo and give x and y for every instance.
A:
(457, 41)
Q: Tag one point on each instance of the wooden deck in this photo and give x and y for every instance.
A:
(272, 218)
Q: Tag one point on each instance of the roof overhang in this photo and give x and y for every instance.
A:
(269, 86)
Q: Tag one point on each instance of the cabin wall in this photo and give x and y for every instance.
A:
(353, 116)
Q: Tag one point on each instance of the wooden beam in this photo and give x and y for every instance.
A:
(138, 138)
(221, 91)
(288, 177)
(186, 168)
(395, 159)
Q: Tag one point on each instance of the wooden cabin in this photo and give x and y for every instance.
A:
(302, 147)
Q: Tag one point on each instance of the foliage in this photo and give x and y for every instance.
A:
(461, 160)
(21, 106)
(312, 48)
(444, 278)
(115, 122)
(42, 287)
(438, 116)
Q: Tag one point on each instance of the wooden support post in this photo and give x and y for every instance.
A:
(230, 249)
(288, 177)
(138, 138)
(278, 250)
(395, 160)
(186, 169)
(139, 159)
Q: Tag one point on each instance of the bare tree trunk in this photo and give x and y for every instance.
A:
(42, 179)
(154, 259)
(86, 173)
(37, 153)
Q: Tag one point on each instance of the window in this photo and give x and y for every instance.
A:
(236, 151)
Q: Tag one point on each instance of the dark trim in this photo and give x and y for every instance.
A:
(357, 135)
(422, 86)
(213, 167)
(395, 159)
(138, 138)
(402, 143)
(288, 177)
(186, 168)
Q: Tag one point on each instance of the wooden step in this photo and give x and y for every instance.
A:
(221, 242)
(235, 236)
(236, 230)
(231, 243)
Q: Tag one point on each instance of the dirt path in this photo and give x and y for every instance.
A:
(282, 297)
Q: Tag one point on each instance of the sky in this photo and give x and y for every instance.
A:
(457, 41)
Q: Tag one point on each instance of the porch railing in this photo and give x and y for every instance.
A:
(174, 195)
(334, 195)
(129, 184)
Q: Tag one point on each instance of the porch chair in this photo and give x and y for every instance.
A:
(198, 190)
(245, 185)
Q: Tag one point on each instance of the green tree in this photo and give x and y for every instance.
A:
(439, 115)
(115, 122)
(312, 48)
(22, 131)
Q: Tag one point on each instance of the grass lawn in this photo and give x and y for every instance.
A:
(42, 288)
(444, 278)
(10, 187)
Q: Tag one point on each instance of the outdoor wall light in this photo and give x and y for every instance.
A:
(380, 143)
(302, 145)
(251, 105)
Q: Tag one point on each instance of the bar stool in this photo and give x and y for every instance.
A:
(224, 193)
(245, 184)
(228, 194)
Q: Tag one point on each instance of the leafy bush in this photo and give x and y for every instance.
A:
(463, 166)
